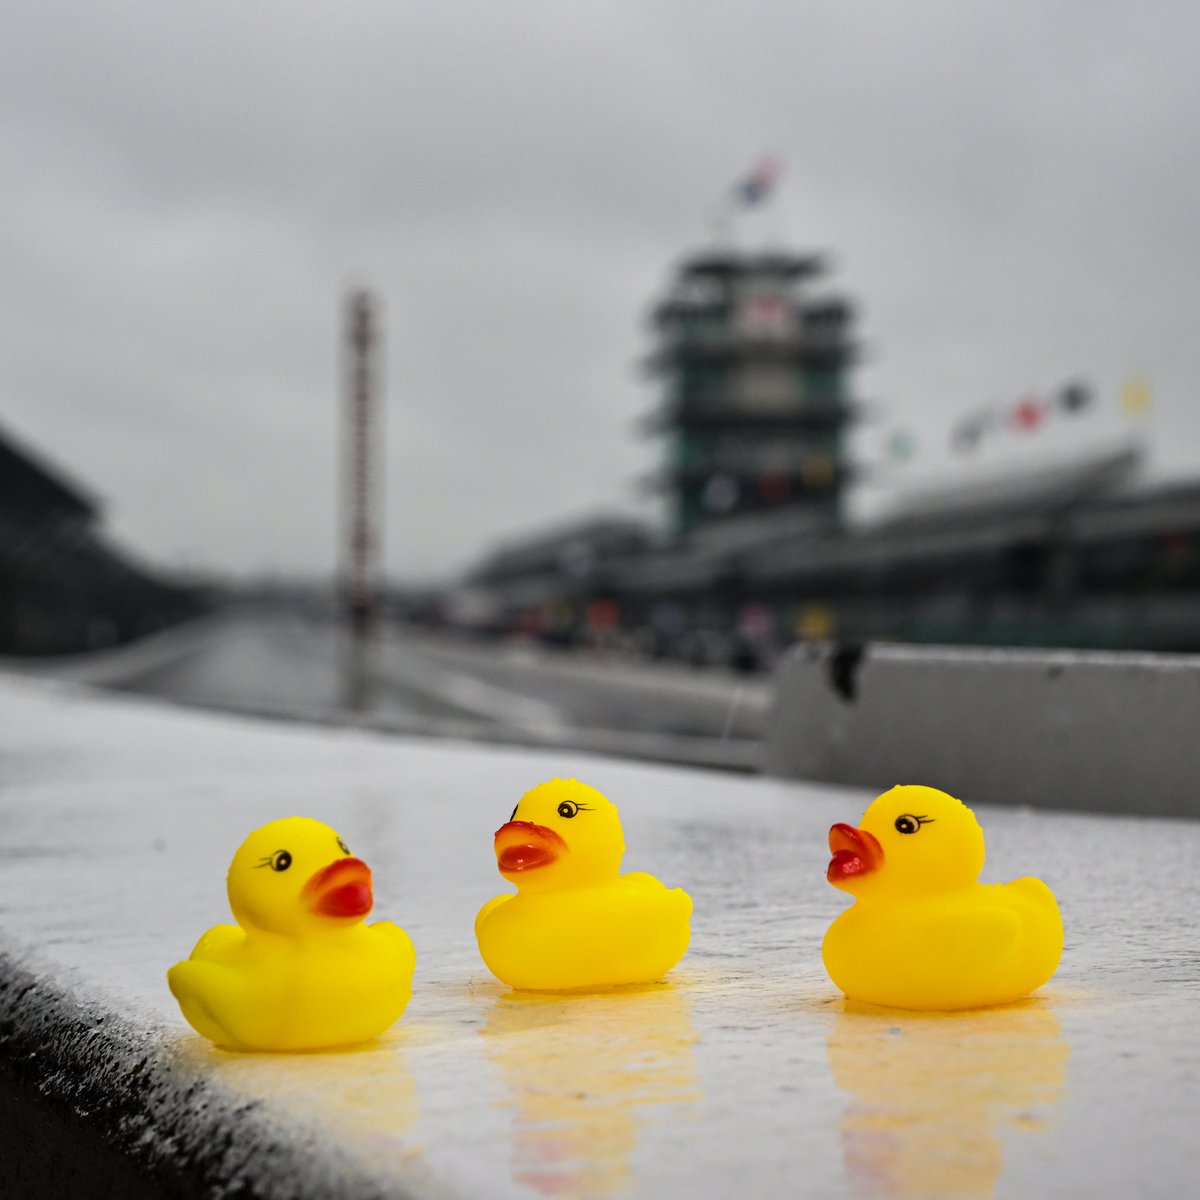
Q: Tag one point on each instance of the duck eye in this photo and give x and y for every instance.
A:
(568, 808)
(343, 847)
(281, 860)
(907, 823)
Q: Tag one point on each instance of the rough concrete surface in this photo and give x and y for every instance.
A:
(1051, 728)
(744, 1074)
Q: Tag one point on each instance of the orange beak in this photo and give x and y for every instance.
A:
(342, 889)
(524, 846)
(855, 853)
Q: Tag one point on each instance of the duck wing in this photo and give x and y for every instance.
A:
(975, 933)
(205, 991)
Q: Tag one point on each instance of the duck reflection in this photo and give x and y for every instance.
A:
(933, 1092)
(586, 1074)
(357, 1093)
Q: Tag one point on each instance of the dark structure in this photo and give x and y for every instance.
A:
(62, 587)
(754, 416)
(361, 483)
(1078, 556)
(755, 403)
(545, 583)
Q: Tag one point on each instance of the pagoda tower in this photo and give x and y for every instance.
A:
(754, 371)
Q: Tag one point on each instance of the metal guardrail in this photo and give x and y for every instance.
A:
(1117, 733)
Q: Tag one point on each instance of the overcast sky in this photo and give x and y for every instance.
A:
(1010, 191)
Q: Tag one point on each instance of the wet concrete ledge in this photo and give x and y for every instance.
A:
(744, 1074)
(1090, 732)
(93, 1104)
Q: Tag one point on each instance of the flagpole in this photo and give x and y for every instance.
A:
(751, 190)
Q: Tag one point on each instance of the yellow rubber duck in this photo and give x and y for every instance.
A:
(923, 933)
(576, 923)
(300, 970)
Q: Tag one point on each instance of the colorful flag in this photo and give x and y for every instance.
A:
(1027, 414)
(901, 445)
(968, 433)
(759, 183)
(1135, 398)
(1075, 397)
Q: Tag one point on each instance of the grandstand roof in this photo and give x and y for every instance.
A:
(29, 485)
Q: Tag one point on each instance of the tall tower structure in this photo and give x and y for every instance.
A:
(754, 373)
(359, 488)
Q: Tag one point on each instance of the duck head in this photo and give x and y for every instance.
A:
(912, 840)
(561, 834)
(296, 876)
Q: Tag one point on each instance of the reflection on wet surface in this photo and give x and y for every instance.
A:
(365, 1092)
(931, 1094)
(586, 1073)
(784, 1092)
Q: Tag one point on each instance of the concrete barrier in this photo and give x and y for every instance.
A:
(1053, 729)
(743, 1074)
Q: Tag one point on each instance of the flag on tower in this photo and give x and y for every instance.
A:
(1074, 397)
(1027, 414)
(973, 428)
(757, 186)
(1135, 398)
(901, 445)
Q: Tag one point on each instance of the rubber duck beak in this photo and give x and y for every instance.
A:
(524, 846)
(342, 889)
(855, 853)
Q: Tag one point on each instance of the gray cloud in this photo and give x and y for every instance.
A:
(1009, 190)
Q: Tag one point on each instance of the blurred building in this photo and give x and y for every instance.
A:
(753, 365)
(549, 582)
(754, 415)
(1081, 555)
(63, 588)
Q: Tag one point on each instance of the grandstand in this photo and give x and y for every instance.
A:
(63, 587)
